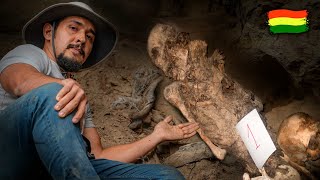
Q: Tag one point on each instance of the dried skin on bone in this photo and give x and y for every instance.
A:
(202, 91)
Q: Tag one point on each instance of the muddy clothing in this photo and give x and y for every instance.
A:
(36, 57)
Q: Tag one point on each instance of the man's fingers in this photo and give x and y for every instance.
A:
(70, 97)
(72, 105)
(190, 128)
(81, 110)
(168, 119)
(189, 135)
(186, 124)
(65, 89)
(66, 99)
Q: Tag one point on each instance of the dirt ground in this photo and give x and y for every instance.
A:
(112, 79)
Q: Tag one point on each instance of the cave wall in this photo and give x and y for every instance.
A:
(298, 53)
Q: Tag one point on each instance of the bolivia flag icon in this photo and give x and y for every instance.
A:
(288, 21)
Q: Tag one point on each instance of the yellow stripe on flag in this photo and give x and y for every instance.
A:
(287, 21)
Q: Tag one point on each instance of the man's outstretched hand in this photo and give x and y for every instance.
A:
(168, 132)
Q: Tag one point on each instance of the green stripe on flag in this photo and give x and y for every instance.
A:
(288, 29)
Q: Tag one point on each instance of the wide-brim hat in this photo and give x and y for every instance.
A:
(106, 33)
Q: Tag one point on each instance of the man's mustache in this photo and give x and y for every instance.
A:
(77, 46)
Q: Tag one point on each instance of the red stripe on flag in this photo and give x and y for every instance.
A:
(287, 13)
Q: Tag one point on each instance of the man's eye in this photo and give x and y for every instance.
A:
(89, 37)
(73, 28)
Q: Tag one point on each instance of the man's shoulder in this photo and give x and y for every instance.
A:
(28, 47)
(26, 51)
(28, 54)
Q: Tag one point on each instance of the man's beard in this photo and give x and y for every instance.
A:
(68, 64)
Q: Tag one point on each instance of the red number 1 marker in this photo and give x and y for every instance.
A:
(257, 146)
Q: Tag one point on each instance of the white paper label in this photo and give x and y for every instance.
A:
(256, 138)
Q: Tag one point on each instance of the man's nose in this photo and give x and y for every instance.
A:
(81, 37)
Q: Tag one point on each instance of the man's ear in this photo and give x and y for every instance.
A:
(47, 31)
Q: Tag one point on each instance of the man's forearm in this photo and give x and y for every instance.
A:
(34, 82)
(18, 79)
(131, 152)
